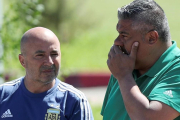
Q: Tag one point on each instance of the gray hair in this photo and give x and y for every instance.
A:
(147, 15)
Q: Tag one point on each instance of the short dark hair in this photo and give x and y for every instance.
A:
(147, 13)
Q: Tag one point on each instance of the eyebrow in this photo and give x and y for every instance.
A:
(55, 50)
(39, 51)
(122, 32)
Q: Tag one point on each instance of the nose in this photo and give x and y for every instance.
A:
(118, 41)
(48, 61)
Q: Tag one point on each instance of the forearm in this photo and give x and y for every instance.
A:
(137, 105)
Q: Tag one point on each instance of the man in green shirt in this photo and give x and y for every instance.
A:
(145, 66)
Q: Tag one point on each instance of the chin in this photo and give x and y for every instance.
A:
(47, 80)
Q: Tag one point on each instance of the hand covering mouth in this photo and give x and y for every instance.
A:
(123, 50)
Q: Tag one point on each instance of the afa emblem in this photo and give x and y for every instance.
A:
(52, 114)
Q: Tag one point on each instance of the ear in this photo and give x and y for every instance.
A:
(21, 60)
(152, 37)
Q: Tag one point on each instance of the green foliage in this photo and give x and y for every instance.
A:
(66, 18)
(19, 16)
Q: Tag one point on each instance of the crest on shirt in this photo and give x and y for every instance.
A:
(52, 114)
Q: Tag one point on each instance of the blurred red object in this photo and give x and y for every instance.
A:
(88, 79)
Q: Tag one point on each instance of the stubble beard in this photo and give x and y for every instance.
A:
(48, 78)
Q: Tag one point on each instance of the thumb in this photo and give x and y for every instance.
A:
(134, 50)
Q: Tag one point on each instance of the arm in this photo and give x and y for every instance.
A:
(81, 110)
(137, 105)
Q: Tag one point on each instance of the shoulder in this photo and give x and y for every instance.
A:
(11, 84)
(76, 101)
(72, 91)
(174, 66)
(8, 88)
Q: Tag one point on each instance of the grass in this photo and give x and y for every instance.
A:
(96, 109)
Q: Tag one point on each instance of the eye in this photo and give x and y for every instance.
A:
(54, 54)
(39, 55)
(124, 36)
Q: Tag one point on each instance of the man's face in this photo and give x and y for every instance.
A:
(42, 59)
(127, 36)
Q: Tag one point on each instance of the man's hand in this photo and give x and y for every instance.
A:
(121, 64)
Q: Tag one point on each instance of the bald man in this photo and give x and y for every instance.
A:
(39, 95)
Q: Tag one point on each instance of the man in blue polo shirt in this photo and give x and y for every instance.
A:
(40, 95)
(145, 67)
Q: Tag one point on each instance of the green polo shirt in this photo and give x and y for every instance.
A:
(160, 83)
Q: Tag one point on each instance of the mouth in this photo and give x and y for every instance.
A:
(47, 70)
(124, 50)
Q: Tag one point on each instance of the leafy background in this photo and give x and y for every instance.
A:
(86, 30)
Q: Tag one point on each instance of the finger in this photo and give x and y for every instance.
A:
(134, 50)
(108, 64)
(112, 52)
(109, 56)
(117, 49)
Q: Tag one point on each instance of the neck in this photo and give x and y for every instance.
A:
(36, 86)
